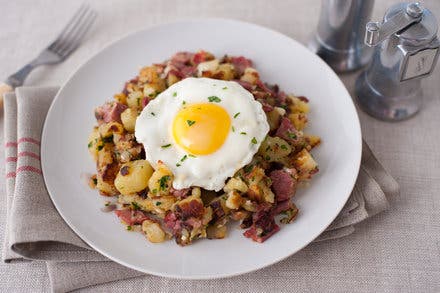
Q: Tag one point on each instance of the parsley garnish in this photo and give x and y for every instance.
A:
(267, 158)
(107, 203)
(178, 165)
(95, 181)
(291, 135)
(152, 113)
(166, 146)
(225, 88)
(183, 102)
(184, 158)
(175, 94)
(100, 147)
(236, 114)
(214, 99)
(90, 145)
(158, 203)
(135, 205)
(163, 182)
(190, 122)
(154, 190)
(284, 147)
(233, 129)
(254, 140)
(128, 228)
(243, 133)
(192, 156)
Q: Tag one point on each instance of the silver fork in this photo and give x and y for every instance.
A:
(67, 41)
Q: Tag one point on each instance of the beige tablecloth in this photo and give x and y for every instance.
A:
(396, 251)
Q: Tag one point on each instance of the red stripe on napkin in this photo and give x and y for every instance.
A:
(11, 159)
(29, 168)
(11, 144)
(10, 175)
(29, 139)
(28, 154)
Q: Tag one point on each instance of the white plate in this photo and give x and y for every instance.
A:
(280, 60)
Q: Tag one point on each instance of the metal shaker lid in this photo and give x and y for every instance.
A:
(416, 34)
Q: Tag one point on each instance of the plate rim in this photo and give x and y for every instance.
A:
(109, 45)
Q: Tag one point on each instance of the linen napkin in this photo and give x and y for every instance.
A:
(36, 232)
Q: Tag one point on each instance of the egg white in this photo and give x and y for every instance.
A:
(154, 130)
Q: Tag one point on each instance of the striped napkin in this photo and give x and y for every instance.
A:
(35, 230)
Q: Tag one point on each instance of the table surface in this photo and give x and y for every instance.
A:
(396, 251)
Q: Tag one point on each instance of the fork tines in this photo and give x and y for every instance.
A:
(73, 33)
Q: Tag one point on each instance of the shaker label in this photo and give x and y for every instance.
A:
(419, 63)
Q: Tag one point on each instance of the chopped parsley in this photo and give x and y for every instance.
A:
(233, 129)
(163, 182)
(95, 181)
(107, 203)
(152, 113)
(178, 165)
(135, 205)
(214, 99)
(236, 115)
(128, 228)
(154, 190)
(175, 94)
(183, 102)
(107, 139)
(100, 147)
(283, 147)
(254, 140)
(243, 133)
(158, 203)
(192, 156)
(267, 158)
(166, 146)
(248, 168)
(190, 122)
(90, 144)
(184, 158)
(225, 88)
(291, 135)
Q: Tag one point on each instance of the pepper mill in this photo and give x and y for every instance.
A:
(339, 39)
(406, 50)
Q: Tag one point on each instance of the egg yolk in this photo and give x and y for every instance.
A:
(201, 129)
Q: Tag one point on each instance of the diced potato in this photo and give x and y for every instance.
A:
(235, 184)
(153, 89)
(274, 117)
(153, 231)
(210, 66)
(305, 165)
(108, 129)
(234, 200)
(312, 140)
(106, 188)
(299, 120)
(273, 149)
(172, 79)
(121, 98)
(134, 99)
(149, 74)
(225, 72)
(95, 143)
(196, 191)
(250, 75)
(161, 181)
(297, 105)
(128, 118)
(133, 176)
(216, 231)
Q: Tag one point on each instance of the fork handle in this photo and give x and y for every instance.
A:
(4, 88)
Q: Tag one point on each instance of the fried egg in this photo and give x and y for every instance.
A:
(203, 130)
